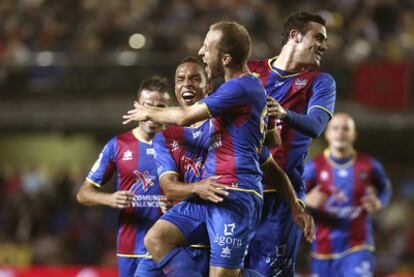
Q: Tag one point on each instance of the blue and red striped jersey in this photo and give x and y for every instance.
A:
(299, 92)
(182, 151)
(239, 120)
(133, 162)
(342, 224)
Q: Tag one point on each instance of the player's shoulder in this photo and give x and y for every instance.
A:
(324, 77)
(172, 131)
(125, 136)
(367, 158)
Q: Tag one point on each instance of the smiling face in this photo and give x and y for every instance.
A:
(212, 55)
(190, 83)
(341, 133)
(311, 46)
(150, 98)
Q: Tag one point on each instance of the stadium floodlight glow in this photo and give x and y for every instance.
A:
(44, 58)
(136, 41)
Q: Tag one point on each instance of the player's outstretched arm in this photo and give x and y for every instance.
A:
(171, 115)
(90, 195)
(207, 189)
(285, 189)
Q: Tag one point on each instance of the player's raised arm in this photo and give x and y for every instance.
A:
(182, 116)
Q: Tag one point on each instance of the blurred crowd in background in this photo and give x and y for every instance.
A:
(357, 29)
(77, 47)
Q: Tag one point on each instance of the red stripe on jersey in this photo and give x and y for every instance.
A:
(296, 100)
(362, 176)
(174, 139)
(239, 115)
(225, 158)
(323, 230)
(261, 68)
(127, 157)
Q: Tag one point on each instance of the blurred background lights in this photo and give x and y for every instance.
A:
(136, 41)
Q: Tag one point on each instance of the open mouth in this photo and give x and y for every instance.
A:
(188, 96)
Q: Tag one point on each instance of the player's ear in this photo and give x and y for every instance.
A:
(295, 35)
(226, 59)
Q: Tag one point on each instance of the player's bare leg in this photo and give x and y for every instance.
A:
(162, 238)
(216, 271)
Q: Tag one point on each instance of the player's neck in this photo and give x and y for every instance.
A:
(141, 135)
(286, 61)
(341, 154)
(230, 73)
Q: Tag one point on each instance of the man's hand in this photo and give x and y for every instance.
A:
(305, 221)
(165, 205)
(121, 199)
(316, 198)
(274, 109)
(209, 189)
(370, 201)
(139, 113)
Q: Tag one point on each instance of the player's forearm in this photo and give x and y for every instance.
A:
(273, 138)
(312, 124)
(171, 115)
(279, 179)
(90, 197)
(176, 190)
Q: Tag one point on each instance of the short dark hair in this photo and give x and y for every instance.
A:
(299, 21)
(235, 41)
(154, 83)
(191, 59)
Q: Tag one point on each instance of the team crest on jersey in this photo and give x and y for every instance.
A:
(144, 179)
(301, 83)
(174, 145)
(127, 155)
(196, 134)
(195, 166)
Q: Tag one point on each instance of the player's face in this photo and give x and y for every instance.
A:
(341, 133)
(312, 45)
(152, 99)
(211, 54)
(190, 83)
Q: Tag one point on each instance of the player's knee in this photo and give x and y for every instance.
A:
(152, 240)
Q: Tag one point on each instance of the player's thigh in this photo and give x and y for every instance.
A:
(358, 264)
(148, 268)
(231, 226)
(189, 218)
(273, 249)
(127, 266)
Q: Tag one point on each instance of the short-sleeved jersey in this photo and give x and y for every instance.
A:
(182, 151)
(238, 125)
(342, 225)
(300, 93)
(133, 162)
